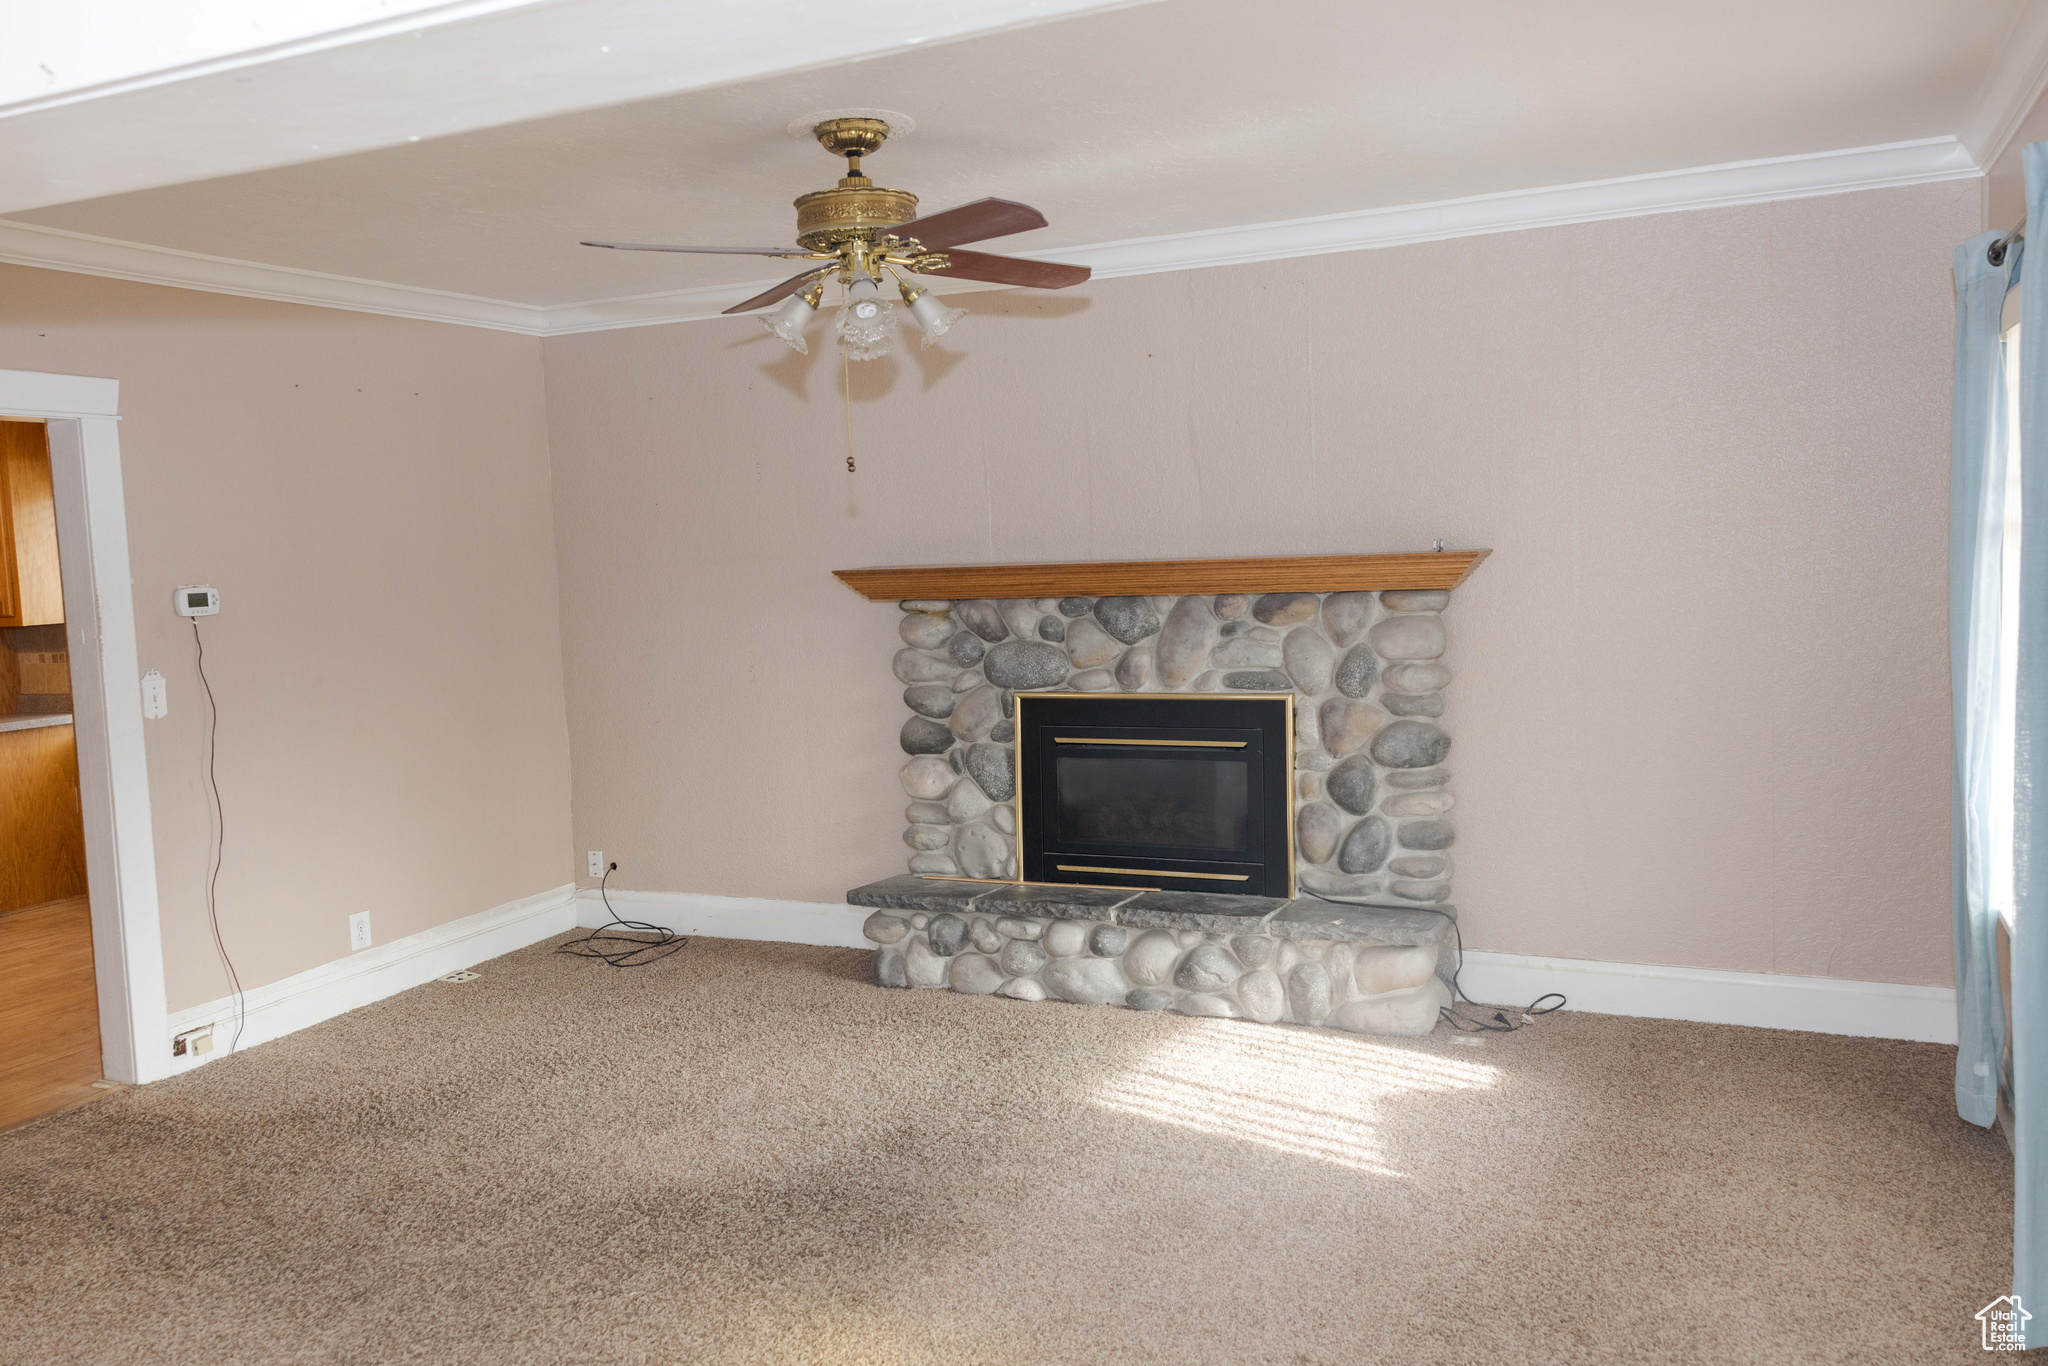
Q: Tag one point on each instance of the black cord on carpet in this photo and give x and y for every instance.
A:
(599, 943)
(1457, 1019)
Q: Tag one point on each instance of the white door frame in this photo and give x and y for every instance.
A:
(106, 700)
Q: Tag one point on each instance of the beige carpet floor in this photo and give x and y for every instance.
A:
(748, 1154)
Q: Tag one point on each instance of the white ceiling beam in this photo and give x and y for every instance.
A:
(51, 53)
(170, 107)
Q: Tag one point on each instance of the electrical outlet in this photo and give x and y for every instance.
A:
(597, 863)
(359, 931)
(463, 976)
(193, 1042)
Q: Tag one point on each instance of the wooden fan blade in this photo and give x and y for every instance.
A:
(714, 251)
(775, 295)
(1011, 270)
(976, 222)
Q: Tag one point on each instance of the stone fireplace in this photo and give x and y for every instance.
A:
(1167, 859)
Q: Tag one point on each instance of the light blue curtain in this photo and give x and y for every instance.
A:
(1976, 540)
(2030, 799)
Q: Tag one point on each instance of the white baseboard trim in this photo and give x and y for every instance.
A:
(1820, 1005)
(335, 988)
(1768, 1000)
(731, 917)
(1823, 1005)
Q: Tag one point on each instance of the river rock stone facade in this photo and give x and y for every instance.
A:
(1371, 970)
(1372, 797)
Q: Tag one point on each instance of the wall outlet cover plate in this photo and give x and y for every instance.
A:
(464, 976)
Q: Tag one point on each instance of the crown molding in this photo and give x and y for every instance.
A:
(2011, 89)
(1701, 187)
(649, 310)
(25, 244)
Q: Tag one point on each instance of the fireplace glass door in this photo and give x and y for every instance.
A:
(1187, 793)
(1181, 799)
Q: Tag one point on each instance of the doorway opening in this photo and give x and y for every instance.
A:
(77, 420)
(49, 998)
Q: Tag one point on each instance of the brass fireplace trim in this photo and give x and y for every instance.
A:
(1189, 744)
(1153, 872)
(1017, 760)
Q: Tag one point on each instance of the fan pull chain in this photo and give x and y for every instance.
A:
(846, 385)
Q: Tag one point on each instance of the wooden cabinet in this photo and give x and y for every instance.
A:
(42, 832)
(31, 591)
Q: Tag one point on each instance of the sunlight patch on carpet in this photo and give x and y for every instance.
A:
(1312, 1095)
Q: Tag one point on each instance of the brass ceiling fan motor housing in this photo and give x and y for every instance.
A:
(857, 209)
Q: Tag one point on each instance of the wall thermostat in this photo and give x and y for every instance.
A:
(196, 600)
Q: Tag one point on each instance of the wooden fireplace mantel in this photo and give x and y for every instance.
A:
(1296, 574)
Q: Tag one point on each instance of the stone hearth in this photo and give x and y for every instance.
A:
(1372, 970)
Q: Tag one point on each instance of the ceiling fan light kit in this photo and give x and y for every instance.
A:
(864, 321)
(933, 317)
(794, 316)
(862, 232)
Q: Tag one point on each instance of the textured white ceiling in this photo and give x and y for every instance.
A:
(1168, 118)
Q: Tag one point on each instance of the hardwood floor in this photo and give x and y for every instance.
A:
(49, 1011)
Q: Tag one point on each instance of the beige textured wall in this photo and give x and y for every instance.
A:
(371, 497)
(1701, 704)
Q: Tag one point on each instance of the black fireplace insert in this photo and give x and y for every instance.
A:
(1184, 792)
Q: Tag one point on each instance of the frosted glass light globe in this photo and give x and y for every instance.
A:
(789, 321)
(933, 317)
(864, 322)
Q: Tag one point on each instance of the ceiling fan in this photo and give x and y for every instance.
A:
(861, 232)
